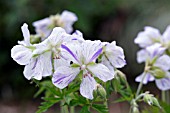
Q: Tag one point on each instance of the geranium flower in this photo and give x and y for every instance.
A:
(83, 57)
(22, 53)
(113, 56)
(157, 67)
(65, 20)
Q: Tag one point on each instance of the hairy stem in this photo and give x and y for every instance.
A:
(140, 85)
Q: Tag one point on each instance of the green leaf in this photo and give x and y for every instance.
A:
(47, 104)
(85, 110)
(100, 108)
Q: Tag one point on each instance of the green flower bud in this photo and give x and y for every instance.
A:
(134, 106)
(157, 73)
(101, 91)
(135, 110)
(151, 100)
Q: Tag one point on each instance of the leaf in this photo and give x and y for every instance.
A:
(47, 104)
(85, 110)
(41, 89)
(100, 108)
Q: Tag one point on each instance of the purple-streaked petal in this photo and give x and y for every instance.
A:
(115, 55)
(142, 56)
(164, 83)
(70, 52)
(41, 27)
(64, 75)
(148, 78)
(163, 62)
(78, 36)
(155, 50)
(91, 50)
(87, 86)
(26, 34)
(21, 54)
(39, 67)
(60, 62)
(107, 64)
(96, 54)
(101, 71)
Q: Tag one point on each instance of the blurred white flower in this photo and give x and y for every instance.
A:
(65, 20)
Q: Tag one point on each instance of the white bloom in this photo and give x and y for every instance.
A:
(83, 56)
(65, 20)
(23, 53)
(148, 37)
(162, 63)
(113, 56)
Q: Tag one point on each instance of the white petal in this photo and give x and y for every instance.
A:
(78, 36)
(56, 36)
(107, 64)
(72, 52)
(115, 55)
(142, 56)
(147, 78)
(39, 67)
(26, 34)
(41, 27)
(41, 47)
(21, 54)
(163, 84)
(60, 62)
(68, 18)
(87, 86)
(63, 76)
(163, 62)
(147, 37)
(166, 35)
(91, 50)
(101, 71)
(155, 50)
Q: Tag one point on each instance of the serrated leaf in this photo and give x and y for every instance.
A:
(47, 104)
(100, 108)
(85, 110)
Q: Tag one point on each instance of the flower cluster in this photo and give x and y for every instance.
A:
(67, 57)
(155, 54)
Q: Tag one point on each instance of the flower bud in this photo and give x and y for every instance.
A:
(135, 110)
(134, 106)
(157, 73)
(151, 100)
(101, 91)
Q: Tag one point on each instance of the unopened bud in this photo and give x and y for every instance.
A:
(157, 73)
(101, 91)
(151, 100)
(135, 110)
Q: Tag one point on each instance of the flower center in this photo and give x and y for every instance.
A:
(83, 67)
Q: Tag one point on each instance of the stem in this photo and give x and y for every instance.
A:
(64, 109)
(72, 109)
(140, 85)
(163, 96)
(105, 103)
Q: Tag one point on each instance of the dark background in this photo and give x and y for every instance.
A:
(107, 20)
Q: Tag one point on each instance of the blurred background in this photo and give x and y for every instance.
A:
(107, 20)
